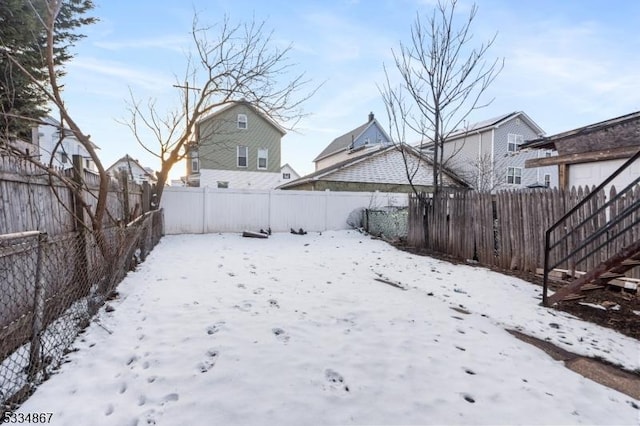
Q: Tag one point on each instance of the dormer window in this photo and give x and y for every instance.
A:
(242, 121)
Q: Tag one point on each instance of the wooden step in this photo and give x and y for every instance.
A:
(589, 287)
(610, 275)
(630, 262)
(572, 297)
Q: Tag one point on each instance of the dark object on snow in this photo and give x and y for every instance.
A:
(299, 232)
(391, 283)
(251, 234)
(267, 232)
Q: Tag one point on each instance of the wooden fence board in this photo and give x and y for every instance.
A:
(507, 229)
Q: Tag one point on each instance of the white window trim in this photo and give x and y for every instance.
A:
(517, 174)
(514, 140)
(246, 156)
(266, 157)
(242, 118)
(195, 162)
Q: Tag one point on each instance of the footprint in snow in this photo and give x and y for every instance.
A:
(274, 303)
(245, 307)
(280, 334)
(335, 378)
(215, 328)
(210, 362)
(170, 397)
(258, 290)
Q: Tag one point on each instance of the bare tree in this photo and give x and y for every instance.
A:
(48, 14)
(230, 62)
(442, 79)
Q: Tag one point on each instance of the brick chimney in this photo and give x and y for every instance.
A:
(371, 117)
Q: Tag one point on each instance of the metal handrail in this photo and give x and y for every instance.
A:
(571, 212)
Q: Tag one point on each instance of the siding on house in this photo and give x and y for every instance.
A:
(482, 157)
(46, 137)
(219, 138)
(372, 135)
(341, 148)
(241, 179)
(503, 159)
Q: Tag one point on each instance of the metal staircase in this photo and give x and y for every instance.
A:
(578, 236)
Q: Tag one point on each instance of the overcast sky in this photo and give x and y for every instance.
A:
(567, 63)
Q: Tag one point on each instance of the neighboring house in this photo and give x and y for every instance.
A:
(135, 171)
(380, 169)
(487, 156)
(359, 141)
(236, 147)
(589, 154)
(288, 174)
(57, 152)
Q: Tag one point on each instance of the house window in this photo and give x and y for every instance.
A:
(243, 153)
(195, 162)
(514, 175)
(513, 141)
(263, 157)
(242, 121)
(286, 176)
(547, 180)
(222, 184)
(547, 154)
(65, 158)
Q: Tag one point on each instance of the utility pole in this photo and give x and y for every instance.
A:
(186, 96)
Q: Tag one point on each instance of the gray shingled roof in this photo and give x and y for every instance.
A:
(481, 125)
(348, 163)
(548, 142)
(342, 142)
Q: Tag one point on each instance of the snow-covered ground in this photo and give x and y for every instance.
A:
(295, 330)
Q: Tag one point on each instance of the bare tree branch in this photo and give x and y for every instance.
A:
(442, 76)
(229, 62)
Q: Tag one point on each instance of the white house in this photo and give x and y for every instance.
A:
(57, 146)
(486, 154)
(135, 171)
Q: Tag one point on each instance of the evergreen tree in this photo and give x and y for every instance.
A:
(23, 40)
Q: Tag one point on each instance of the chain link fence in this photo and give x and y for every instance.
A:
(50, 287)
(387, 222)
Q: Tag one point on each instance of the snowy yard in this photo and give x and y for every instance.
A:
(295, 330)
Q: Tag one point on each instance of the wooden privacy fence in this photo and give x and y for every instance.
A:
(53, 273)
(506, 229)
(33, 200)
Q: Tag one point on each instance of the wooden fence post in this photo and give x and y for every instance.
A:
(124, 182)
(146, 197)
(81, 260)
